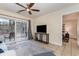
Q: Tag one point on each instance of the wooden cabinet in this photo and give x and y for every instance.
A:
(42, 37)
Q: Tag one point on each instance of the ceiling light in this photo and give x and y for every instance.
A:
(28, 9)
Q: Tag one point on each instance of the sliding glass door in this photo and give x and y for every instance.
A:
(7, 30)
(12, 31)
(21, 31)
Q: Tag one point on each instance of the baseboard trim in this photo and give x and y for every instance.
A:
(55, 43)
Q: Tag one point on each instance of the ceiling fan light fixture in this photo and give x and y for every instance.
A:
(28, 9)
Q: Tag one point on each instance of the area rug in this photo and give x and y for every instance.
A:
(45, 54)
(30, 48)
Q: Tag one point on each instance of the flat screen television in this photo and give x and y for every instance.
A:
(41, 28)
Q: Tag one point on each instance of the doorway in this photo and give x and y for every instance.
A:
(69, 30)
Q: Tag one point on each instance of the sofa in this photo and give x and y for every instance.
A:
(6, 52)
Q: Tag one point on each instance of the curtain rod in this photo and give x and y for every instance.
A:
(12, 16)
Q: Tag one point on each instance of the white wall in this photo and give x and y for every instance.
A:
(53, 21)
(53, 27)
(3, 13)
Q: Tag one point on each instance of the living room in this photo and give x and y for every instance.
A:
(50, 15)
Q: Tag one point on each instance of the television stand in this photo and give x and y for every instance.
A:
(42, 37)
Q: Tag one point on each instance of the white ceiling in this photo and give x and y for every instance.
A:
(43, 7)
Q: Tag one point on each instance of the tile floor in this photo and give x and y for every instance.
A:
(68, 49)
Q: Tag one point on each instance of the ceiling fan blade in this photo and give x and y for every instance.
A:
(30, 5)
(30, 12)
(35, 10)
(20, 11)
(20, 5)
(27, 4)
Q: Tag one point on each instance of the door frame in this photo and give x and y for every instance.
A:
(23, 21)
(15, 20)
(77, 25)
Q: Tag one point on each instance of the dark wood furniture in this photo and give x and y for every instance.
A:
(42, 37)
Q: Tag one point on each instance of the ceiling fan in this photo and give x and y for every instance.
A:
(28, 8)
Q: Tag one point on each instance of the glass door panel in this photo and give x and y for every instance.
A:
(7, 30)
(21, 31)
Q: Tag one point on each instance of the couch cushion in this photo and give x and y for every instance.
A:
(1, 51)
(9, 53)
(3, 46)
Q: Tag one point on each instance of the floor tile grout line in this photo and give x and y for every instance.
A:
(64, 46)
